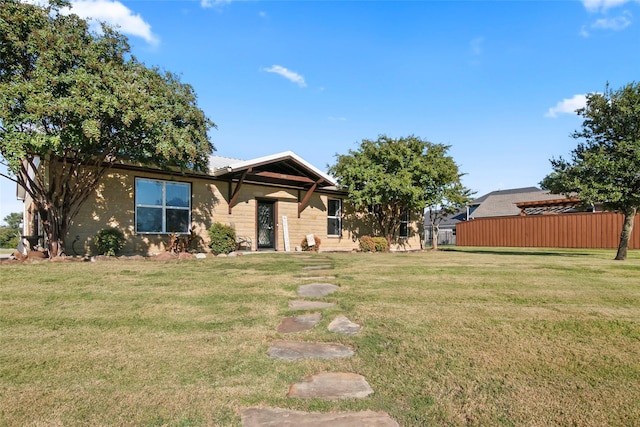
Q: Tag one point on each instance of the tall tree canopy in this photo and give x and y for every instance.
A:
(395, 175)
(605, 168)
(73, 103)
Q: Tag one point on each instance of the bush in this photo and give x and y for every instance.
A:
(305, 245)
(367, 244)
(109, 241)
(381, 244)
(223, 239)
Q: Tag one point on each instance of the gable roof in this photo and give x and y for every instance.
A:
(500, 203)
(286, 168)
(503, 202)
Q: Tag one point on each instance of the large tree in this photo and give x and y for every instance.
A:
(605, 168)
(395, 175)
(73, 103)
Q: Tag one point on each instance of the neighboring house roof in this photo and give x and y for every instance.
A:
(503, 202)
(275, 168)
(499, 203)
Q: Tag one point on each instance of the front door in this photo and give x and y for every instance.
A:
(266, 218)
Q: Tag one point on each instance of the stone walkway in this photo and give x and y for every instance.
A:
(329, 386)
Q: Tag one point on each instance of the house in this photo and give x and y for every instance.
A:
(272, 202)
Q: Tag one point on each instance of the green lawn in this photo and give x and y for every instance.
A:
(458, 337)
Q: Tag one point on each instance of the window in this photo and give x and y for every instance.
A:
(162, 206)
(404, 223)
(334, 217)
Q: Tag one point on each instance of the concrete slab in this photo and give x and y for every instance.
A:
(344, 326)
(295, 350)
(316, 290)
(300, 323)
(272, 417)
(309, 305)
(331, 386)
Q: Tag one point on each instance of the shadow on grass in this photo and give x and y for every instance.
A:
(523, 251)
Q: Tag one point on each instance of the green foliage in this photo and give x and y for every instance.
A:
(604, 168)
(10, 234)
(9, 237)
(80, 102)
(223, 239)
(381, 244)
(367, 244)
(14, 220)
(109, 241)
(395, 175)
(305, 245)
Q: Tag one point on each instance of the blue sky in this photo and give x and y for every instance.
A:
(498, 81)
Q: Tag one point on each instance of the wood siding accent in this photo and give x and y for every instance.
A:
(578, 230)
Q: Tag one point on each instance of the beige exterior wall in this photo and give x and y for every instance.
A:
(113, 206)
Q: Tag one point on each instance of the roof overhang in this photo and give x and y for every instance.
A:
(284, 169)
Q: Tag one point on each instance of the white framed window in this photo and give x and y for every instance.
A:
(334, 217)
(162, 207)
(405, 220)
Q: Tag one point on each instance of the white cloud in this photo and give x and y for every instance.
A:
(211, 3)
(567, 106)
(477, 46)
(117, 15)
(287, 74)
(618, 23)
(603, 5)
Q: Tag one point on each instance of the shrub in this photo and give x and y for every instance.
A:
(223, 239)
(381, 244)
(305, 245)
(366, 244)
(109, 241)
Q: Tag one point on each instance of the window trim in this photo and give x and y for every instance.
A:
(338, 217)
(163, 206)
(405, 219)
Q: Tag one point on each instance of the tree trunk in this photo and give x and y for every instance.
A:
(55, 230)
(625, 235)
(435, 230)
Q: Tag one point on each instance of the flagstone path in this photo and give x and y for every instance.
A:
(331, 386)
(261, 417)
(316, 290)
(300, 323)
(325, 385)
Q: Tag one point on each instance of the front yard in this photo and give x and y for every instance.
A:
(462, 337)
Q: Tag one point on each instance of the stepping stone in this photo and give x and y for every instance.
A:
(263, 417)
(344, 326)
(331, 386)
(295, 350)
(316, 290)
(303, 322)
(309, 305)
(317, 267)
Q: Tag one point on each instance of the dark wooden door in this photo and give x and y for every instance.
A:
(266, 218)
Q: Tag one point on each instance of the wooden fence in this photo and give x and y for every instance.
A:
(579, 230)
